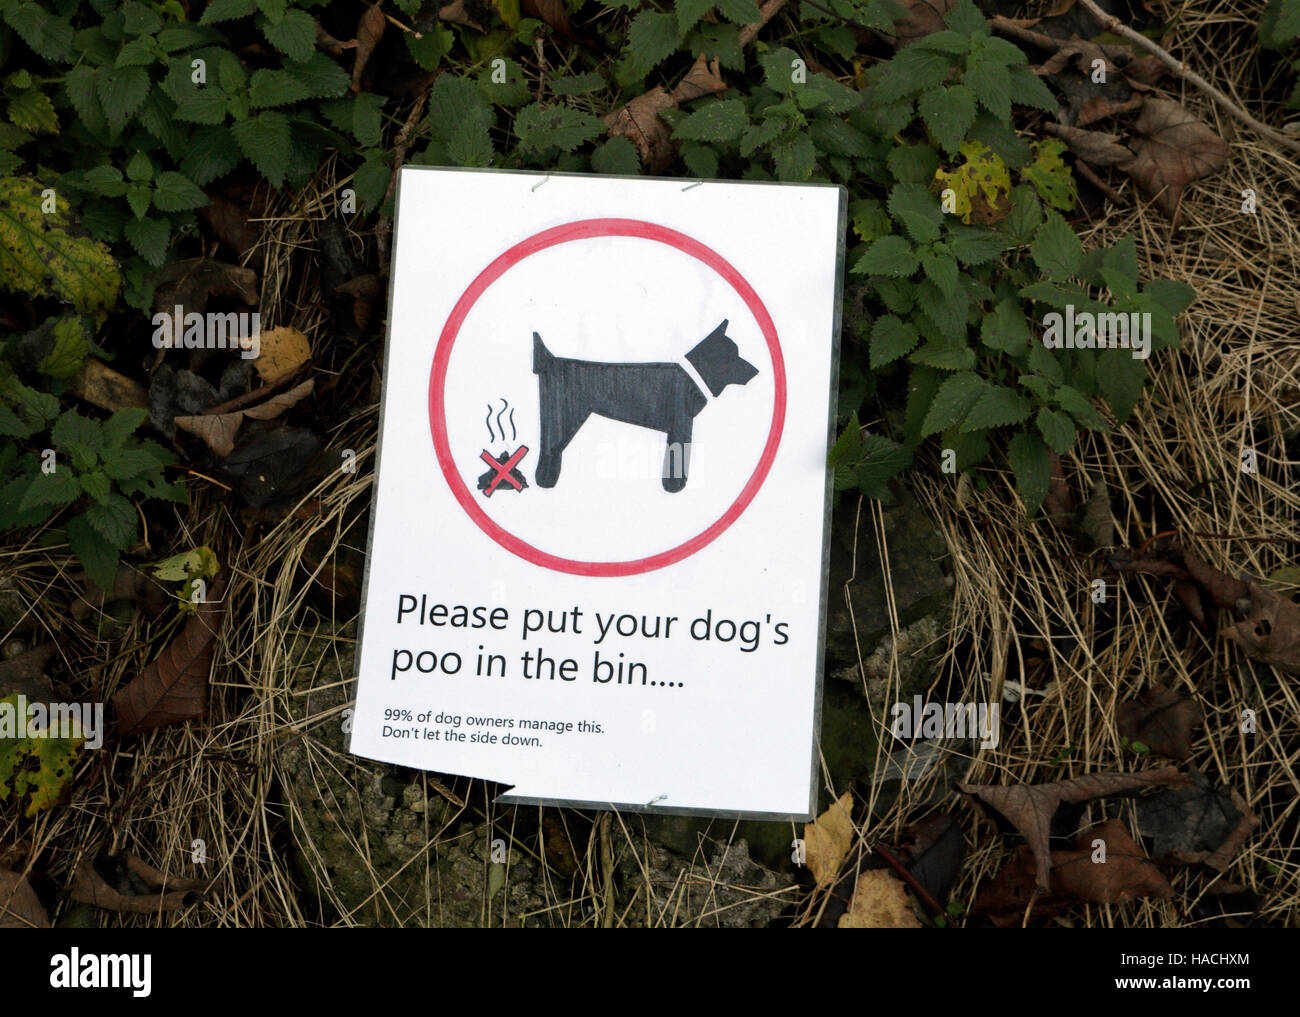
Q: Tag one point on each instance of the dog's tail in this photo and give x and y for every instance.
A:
(542, 357)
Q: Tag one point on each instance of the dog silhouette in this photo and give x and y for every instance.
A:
(662, 397)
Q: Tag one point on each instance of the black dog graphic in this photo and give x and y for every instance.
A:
(663, 397)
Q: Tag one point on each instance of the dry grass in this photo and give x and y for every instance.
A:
(1022, 610)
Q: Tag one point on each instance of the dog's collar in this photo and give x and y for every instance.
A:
(695, 376)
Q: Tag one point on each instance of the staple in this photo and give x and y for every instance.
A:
(656, 800)
(542, 181)
(696, 184)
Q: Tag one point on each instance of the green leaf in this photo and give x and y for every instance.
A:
(265, 140)
(922, 385)
(616, 156)
(67, 353)
(1057, 429)
(945, 353)
(689, 12)
(138, 196)
(57, 488)
(651, 37)
(209, 155)
(33, 111)
(740, 12)
(918, 210)
(832, 135)
(795, 157)
(95, 553)
(1006, 328)
(1056, 249)
(206, 104)
(1050, 176)
(275, 88)
(149, 237)
(227, 10)
(881, 460)
(1026, 215)
(848, 445)
(719, 120)
(913, 164)
(42, 255)
(948, 113)
(941, 269)
(428, 50)
(1121, 380)
(121, 425)
(997, 406)
(952, 402)
(96, 484)
(295, 35)
(121, 92)
(1031, 461)
(1174, 296)
(974, 245)
(544, 128)
(991, 83)
(908, 72)
(891, 338)
(321, 76)
(1029, 90)
(700, 160)
(115, 521)
(891, 255)
(175, 192)
(964, 17)
(1077, 405)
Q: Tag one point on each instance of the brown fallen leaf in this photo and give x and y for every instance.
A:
(827, 840)
(1270, 632)
(1173, 149)
(370, 29)
(190, 283)
(218, 430)
(175, 686)
(20, 908)
(1096, 147)
(25, 675)
(101, 386)
(551, 12)
(1222, 856)
(1059, 504)
(1126, 874)
(457, 13)
(639, 122)
(1161, 719)
(281, 352)
(924, 17)
(127, 884)
(366, 291)
(879, 902)
(1030, 807)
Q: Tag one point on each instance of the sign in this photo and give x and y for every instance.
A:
(599, 532)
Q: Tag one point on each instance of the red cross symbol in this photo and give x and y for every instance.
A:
(503, 470)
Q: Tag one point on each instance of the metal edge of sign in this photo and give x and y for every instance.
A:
(827, 499)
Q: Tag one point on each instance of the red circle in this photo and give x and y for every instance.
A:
(583, 230)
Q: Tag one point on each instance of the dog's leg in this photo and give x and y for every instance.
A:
(562, 416)
(677, 456)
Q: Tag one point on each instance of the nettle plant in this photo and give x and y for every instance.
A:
(951, 308)
(1279, 29)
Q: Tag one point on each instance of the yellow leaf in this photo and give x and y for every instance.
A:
(827, 840)
(879, 902)
(981, 185)
(281, 352)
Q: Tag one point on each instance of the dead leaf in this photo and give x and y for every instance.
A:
(189, 284)
(1270, 632)
(1093, 525)
(639, 122)
(457, 13)
(24, 675)
(1174, 148)
(101, 386)
(1058, 503)
(175, 686)
(20, 908)
(552, 12)
(879, 902)
(126, 884)
(827, 840)
(1190, 823)
(1126, 874)
(281, 352)
(1096, 147)
(1161, 719)
(924, 17)
(365, 292)
(1030, 807)
(370, 29)
(218, 430)
(935, 857)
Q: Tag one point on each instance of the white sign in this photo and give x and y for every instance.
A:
(599, 531)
